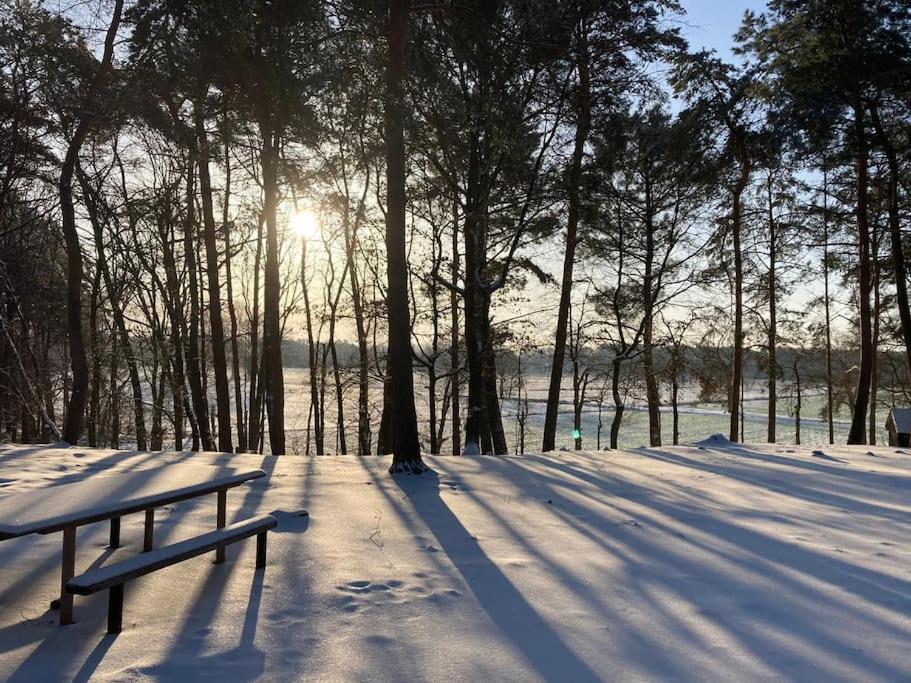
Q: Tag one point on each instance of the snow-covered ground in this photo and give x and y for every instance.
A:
(708, 562)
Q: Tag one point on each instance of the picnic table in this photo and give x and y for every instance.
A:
(65, 507)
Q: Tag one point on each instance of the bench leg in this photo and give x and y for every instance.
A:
(67, 570)
(115, 609)
(114, 541)
(261, 549)
(220, 519)
(149, 534)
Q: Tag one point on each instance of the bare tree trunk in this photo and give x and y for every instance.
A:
(194, 376)
(156, 435)
(825, 270)
(75, 413)
(95, 342)
(406, 455)
(578, 399)
(216, 325)
(737, 374)
(339, 392)
(492, 402)
(857, 433)
(583, 123)
(178, 323)
(799, 404)
(675, 392)
(600, 422)
(649, 296)
(312, 364)
(454, 343)
(363, 376)
(473, 344)
(253, 437)
(384, 443)
(773, 321)
(877, 311)
(432, 408)
(114, 395)
(272, 346)
(232, 313)
(618, 402)
(493, 419)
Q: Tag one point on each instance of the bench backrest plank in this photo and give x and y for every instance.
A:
(101, 497)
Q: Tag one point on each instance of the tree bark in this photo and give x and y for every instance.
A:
(857, 434)
(736, 227)
(618, 402)
(454, 342)
(583, 124)
(95, 342)
(255, 410)
(312, 363)
(877, 311)
(363, 376)
(649, 297)
(799, 404)
(406, 455)
(473, 344)
(216, 325)
(194, 375)
(75, 413)
(232, 313)
(272, 337)
(830, 418)
(773, 322)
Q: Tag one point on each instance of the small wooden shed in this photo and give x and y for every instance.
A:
(898, 424)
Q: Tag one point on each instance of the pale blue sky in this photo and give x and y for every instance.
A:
(712, 23)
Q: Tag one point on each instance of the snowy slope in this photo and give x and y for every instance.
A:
(706, 562)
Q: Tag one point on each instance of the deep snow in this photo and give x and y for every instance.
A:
(705, 562)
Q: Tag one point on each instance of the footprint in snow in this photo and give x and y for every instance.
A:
(368, 586)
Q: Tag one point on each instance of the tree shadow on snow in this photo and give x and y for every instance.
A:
(540, 645)
(681, 543)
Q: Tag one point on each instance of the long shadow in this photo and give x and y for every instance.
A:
(774, 550)
(94, 659)
(744, 577)
(542, 647)
(773, 482)
(849, 472)
(654, 653)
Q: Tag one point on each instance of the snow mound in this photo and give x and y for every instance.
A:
(714, 440)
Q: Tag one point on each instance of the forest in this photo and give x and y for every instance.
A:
(429, 206)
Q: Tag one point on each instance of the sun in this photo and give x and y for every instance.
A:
(305, 224)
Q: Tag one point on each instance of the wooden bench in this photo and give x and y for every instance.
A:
(114, 576)
(65, 507)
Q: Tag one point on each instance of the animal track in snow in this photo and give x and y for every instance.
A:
(364, 594)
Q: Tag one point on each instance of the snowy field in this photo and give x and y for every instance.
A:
(697, 420)
(709, 562)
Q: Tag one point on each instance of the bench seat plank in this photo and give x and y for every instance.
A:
(117, 573)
